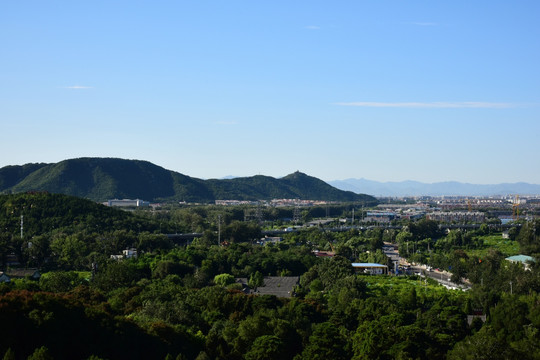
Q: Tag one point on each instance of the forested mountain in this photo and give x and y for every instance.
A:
(11, 175)
(100, 179)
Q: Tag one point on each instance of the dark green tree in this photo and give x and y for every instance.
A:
(266, 347)
(325, 342)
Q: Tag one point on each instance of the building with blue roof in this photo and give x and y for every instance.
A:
(525, 260)
(370, 268)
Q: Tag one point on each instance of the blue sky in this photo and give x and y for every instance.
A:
(384, 90)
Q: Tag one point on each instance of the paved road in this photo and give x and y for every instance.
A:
(442, 277)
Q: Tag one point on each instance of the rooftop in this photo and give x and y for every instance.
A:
(521, 258)
(280, 286)
(368, 265)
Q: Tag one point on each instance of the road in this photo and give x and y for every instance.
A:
(442, 277)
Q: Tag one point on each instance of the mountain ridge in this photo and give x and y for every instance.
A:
(443, 188)
(100, 179)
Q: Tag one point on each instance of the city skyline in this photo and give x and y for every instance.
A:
(386, 91)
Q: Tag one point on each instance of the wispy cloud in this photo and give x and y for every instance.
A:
(313, 27)
(78, 87)
(431, 105)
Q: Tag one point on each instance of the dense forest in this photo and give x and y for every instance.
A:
(181, 301)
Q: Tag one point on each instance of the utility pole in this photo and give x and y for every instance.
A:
(259, 213)
(296, 212)
(219, 230)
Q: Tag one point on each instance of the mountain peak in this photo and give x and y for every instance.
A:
(100, 179)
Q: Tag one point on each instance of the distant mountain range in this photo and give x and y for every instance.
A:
(100, 179)
(449, 188)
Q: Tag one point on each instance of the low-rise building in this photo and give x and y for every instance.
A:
(127, 203)
(280, 286)
(457, 216)
(323, 253)
(525, 260)
(370, 268)
(270, 240)
(130, 253)
(33, 274)
(380, 216)
(126, 254)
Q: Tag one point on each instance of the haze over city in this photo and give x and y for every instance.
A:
(388, 91)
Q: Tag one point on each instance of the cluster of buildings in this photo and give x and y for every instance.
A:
(457, 216)
(441, 216)
(274, 202)
(126, 254)
(269, 240)
(298, 202)
(385, 213)
(127, 203)
(33, 274)
(235, 202)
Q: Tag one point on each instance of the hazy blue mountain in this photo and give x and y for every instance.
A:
(100, 179)
(415, 188)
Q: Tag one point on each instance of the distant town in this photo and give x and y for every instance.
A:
(444, 209)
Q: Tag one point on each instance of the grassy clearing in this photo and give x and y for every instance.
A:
(379, 285)
(496, 241)
(84, 275)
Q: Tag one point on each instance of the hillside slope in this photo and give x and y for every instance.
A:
(100, 179)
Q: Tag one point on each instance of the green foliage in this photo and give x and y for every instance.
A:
(41, 353)
(266, 347)
(166, 267)
(424, 229)
(9, 355)
(325, 342)
(108, 178)
(485, 243)
(45, 212)
(333, 269)
(11, 175)
(177, 301)
(239, 231)
(69, 251)
(117, 274)
(482, 345)
(151, 242)
(223, 279)
(60, 281)
(529, 238)
(256, 280)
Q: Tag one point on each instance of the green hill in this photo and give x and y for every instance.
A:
(100, 179)
(45, 213)
(11, 175)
